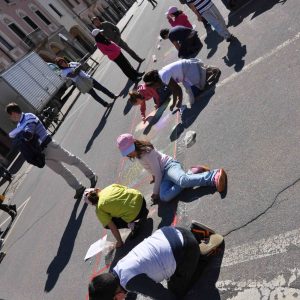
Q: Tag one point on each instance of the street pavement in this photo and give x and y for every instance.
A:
(249, 125)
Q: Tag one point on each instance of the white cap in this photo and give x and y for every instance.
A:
(96, 31)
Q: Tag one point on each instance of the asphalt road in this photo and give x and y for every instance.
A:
(248, 125)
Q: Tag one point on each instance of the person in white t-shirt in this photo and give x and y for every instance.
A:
(192, 73)
(72, 70)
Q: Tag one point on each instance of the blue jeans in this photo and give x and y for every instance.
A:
(175, 179)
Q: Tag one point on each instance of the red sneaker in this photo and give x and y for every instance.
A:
(220, 180)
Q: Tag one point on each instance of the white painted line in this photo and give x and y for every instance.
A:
(263, 248)
(18, 217)
(260, 59)
(279, 288)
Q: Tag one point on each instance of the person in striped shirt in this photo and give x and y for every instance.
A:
(206, 9)
(30, 125)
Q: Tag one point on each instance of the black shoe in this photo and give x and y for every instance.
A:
(79, 193)
(12, 213)
(200, 231)
(94, 180)
(13, 207)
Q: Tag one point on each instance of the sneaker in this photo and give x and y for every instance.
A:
(215, 240)
(79, 193)
(220, 180)
(13, 207)
(199, 169)
(94, 180)
(200, 231)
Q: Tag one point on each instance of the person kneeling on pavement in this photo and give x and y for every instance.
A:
(192, 73)
(117, 207)
(170, 253)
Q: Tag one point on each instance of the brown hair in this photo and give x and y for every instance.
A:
(134, 95)
(142, 147)
(13, 108)
(93, 197)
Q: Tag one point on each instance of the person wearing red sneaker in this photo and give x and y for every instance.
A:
(169, 177)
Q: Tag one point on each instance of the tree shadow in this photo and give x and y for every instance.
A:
(235, 54)
(153, 120)
(189, 115)
(207, 275)
(212, 40)
(255, 7)
(99, 128)
(66, 246)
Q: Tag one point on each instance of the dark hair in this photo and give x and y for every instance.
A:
(151, 77)
(177, 13)
(95, 18)
(13, 108)
(93, 197)
(100, 38)
(57, 61)
(103, 286)
(133, 96)
(163, 33)
(142, 147)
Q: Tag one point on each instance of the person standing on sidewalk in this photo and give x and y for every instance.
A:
(169, 177)
(117, 207)
(30, 126)
(207, 9)
(113, 52)
(112, 33)
(73, 71)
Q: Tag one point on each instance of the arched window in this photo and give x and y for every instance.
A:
(27, 19)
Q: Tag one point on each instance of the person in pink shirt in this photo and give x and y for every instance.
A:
(177, 17)
(169, 177)
(144, 93)
(113, 52)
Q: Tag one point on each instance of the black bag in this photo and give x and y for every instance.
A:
(30, 149)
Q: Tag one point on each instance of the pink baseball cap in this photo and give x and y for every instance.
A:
(126, 143)
(171, 10)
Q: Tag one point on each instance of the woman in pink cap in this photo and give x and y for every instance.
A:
(169, 177)
(177, 17)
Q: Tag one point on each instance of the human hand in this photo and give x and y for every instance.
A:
(119, 244)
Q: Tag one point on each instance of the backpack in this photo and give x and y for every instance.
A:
(30, 149)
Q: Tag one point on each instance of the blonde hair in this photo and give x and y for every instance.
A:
(134, 95)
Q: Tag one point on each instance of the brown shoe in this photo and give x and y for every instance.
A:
(220, 180)
(215, 240)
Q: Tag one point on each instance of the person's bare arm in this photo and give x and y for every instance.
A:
(116, 233)
(194, 9)
(177, 93)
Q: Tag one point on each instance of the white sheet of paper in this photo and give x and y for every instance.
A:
(97, 247)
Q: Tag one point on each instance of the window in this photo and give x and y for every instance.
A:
(30, 23)
(4, 42)
(20, 34)
(55, 9)
(42, 17)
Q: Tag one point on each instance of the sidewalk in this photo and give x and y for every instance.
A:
(18, 164)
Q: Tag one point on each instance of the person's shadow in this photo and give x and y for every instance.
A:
(99, 128)
(235, 55)
(255, 7)
(153, 120)
(207, 275)
(66, 246)
(189, 115)
(212, 40)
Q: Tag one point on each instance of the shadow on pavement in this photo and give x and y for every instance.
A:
(212, 40)
(208, 274)
(66, 246)
(153, 120)
(192, 194)
(190, 114)
(235, 55)
(167, 211)
(99, 128)
(254, 7)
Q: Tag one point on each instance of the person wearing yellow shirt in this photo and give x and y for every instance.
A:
(117, 207)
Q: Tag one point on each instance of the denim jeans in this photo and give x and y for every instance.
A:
(175, 179)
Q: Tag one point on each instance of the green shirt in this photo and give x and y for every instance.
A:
(120, 202)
